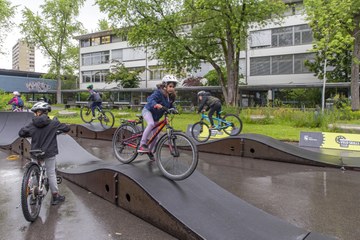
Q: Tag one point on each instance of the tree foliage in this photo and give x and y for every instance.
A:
(336, 28)
(185, 33)
(126, 77)
(103, 25)
(53, 32)
(6, 13)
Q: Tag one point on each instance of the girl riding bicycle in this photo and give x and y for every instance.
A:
(209, 102)
(164, 96)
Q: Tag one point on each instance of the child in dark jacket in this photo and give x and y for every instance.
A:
(164, 96)
(43, 131)
(211, 103)
(95, 98)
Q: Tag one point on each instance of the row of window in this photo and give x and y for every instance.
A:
(95, 41)
(281, 37)
(277, 65)
(95, 58)
(94, 76)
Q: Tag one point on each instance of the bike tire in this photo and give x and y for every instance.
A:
(123, 152)
(200, 131)
(186, 158)
(107, 119)
(86, 114)
(29, 185)
(236, 125)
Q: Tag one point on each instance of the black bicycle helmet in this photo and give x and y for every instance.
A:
(42, 106)
(201, 93)
(90, 86)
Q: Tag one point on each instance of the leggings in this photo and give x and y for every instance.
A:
(147, 115)
(215, 107)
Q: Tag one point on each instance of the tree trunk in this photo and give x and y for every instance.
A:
(355, 104)
(58, 90)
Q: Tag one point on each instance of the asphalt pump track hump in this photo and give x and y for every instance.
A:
(195, 208)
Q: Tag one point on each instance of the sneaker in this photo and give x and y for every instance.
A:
(57, 198)
(143, 149)
(93, 118)
(32, 200)
(151, 156)
(212, 127)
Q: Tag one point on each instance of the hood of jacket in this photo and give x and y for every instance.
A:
(41, 121)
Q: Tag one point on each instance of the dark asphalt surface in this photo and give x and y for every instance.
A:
(324, 200)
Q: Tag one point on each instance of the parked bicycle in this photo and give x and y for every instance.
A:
(35, 186)
(176, 154)
(105, 117)
(229, 123)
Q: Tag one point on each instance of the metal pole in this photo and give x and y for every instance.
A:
(323, 90)
(146, 68)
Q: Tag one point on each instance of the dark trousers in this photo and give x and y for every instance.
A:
(216, 107)
(94, 105)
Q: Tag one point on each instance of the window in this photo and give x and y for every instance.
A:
(86, 76)
(281, 64)
(105, 39)
(85, 43)
(120, 38)
(259, 66)
(303, 34)
(86, 59)
(95, 41)
(95, 58)
(117, 55)
(94, 76)
(299, 62)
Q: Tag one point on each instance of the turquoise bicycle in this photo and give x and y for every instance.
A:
(229, 123)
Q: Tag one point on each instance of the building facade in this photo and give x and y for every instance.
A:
(23, 56)
(275, 54)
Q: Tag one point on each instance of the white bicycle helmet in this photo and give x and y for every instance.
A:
(43, 106)
(170, 79)
(16, 93)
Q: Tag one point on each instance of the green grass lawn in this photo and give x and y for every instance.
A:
(280, 131)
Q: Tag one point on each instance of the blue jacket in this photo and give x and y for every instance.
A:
(157, 97)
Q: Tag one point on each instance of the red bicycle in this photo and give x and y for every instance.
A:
(175, 153)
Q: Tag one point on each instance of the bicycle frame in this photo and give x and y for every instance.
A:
(218, 119)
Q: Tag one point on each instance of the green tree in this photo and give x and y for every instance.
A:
(103, 25)
(213, 79)
(53, 32)
(185, 33)
(126, 77)
(336, 25)
(6, 13)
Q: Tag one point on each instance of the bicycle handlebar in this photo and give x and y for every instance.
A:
(170, 110)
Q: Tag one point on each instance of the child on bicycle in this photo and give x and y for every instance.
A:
(16, 101)
(95, 98)
(43, 131)
(164, 96)
(211, 103)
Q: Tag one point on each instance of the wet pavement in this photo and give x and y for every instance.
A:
(325, 200)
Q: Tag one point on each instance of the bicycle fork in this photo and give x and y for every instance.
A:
(172, 145)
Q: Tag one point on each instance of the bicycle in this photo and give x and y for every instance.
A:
(229, 123)
(35, 185)
(176, 154)
(105, 117)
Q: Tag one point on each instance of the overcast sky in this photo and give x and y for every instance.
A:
(89, 16)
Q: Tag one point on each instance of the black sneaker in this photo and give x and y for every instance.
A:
(143, 149)
(57, 198)
(151, 156)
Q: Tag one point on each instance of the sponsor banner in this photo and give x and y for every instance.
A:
(344, 141)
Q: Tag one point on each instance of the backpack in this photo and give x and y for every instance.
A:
(20, 102)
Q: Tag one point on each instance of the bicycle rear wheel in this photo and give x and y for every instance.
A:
(233, 124)
(124, 146)
(200, 131)
(86, 114)
(107, 119)
(30, 197)
(177, 156)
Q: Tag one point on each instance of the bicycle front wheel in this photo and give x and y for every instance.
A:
(177, 156)
(200, 131)
(107, 119)
(30, 196)
(232, 125)
(86, 114)
(125, 143)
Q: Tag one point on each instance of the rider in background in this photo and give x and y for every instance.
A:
(43, 131)
(164, 96)
(208, 102)
(95, 98)
(16, 101)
